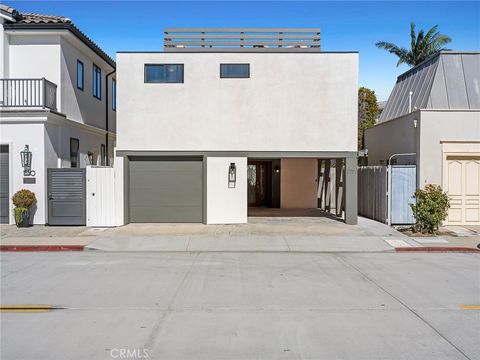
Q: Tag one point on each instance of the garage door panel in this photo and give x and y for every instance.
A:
(4, 185)
(166, 191)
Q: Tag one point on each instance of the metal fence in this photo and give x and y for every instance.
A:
(375, 183)
(28, 93)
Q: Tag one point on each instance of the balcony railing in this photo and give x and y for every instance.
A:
(28, 93)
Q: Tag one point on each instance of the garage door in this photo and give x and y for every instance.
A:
(462, 183)
(165, 190)
(4, 178)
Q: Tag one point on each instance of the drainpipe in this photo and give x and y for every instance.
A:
(107, 103)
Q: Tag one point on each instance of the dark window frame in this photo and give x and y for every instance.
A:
(99, 83)
(83, 75)
(163, 82)
(103, 154)
(235, 77)
(77, 154)
(114, 95)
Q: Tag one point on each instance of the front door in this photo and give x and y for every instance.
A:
(259, 183)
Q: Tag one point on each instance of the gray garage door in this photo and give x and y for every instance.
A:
(166, 189)
(4, 177)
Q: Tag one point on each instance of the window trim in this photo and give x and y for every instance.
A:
(163, 82)
(83, 75)
(114, 95)
(99, 96)
(77, 154)
(235, 77)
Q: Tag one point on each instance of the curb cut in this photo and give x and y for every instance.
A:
(440, 249)
(26, 248)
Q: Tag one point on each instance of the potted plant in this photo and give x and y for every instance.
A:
(23, 200)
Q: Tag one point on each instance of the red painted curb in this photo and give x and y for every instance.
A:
(437, 249)
(41, 247)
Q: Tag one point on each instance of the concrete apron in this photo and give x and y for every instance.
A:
(259, 235)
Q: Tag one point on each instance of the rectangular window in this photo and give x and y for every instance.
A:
(97, 82)
(79, 75)
(164, 73)
(74, 156)
(102, 155)
(114, 94)
(235, 71)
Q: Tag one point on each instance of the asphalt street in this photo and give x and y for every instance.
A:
(241, 306)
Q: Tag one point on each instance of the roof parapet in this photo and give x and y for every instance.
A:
(242, 39)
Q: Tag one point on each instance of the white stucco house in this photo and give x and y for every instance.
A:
(57, 96)
(227, 120)
(434, 112)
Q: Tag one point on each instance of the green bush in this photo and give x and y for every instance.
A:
(24, 199)
(431, 208)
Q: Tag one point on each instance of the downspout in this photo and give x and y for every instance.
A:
(107, 103)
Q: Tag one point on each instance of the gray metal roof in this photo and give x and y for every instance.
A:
(448, 80)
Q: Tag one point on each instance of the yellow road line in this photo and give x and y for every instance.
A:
(25, 308)
(470, 307)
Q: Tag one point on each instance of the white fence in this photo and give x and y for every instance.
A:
(100, 196)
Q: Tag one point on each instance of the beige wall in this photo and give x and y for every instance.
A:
(298, 183)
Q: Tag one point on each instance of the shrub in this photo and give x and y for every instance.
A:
(24, 199)
(431, 208)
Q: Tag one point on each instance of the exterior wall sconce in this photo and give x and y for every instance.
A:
(232, 175)
(277, 169)
(415, 121)
(26, 158)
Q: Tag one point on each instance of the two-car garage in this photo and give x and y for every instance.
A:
(165, 189)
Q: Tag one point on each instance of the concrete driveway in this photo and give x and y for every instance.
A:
(241, 306)
(271, 234)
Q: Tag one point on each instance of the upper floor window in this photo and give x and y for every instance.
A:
(238, 71)
(114, 94)
(97, 82)
(80, 77)
(164, 73)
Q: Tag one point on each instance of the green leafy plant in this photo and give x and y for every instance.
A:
(24, 199)
(430, 209)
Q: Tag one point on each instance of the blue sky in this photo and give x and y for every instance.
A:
(357, 25)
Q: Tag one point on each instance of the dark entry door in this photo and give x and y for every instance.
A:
(259, 183)
(66, 197)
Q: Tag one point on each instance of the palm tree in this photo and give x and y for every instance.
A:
(422, 46)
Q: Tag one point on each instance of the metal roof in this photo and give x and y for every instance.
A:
(448, 80)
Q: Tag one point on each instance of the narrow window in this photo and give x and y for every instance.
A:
(79, 75)
(235, 71)
(103, 155)
(74, 157)
(163, 73)
(114, 95)
(97, 82)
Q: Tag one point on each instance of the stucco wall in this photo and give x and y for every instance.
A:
(298, 183)
(16, 136)
(226, 205)
(292, 101)
(395, 136)
(439, 126)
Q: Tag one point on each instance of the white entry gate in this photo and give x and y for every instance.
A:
(100, 196)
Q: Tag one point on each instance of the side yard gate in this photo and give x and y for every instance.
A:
(375, 183)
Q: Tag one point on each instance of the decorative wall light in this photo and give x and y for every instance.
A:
(277, 169)
(232, 175)
(90, 157)
(26, 158)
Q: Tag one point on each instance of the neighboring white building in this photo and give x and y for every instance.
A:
(440, 122)
(215, 124)
(53, 98)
